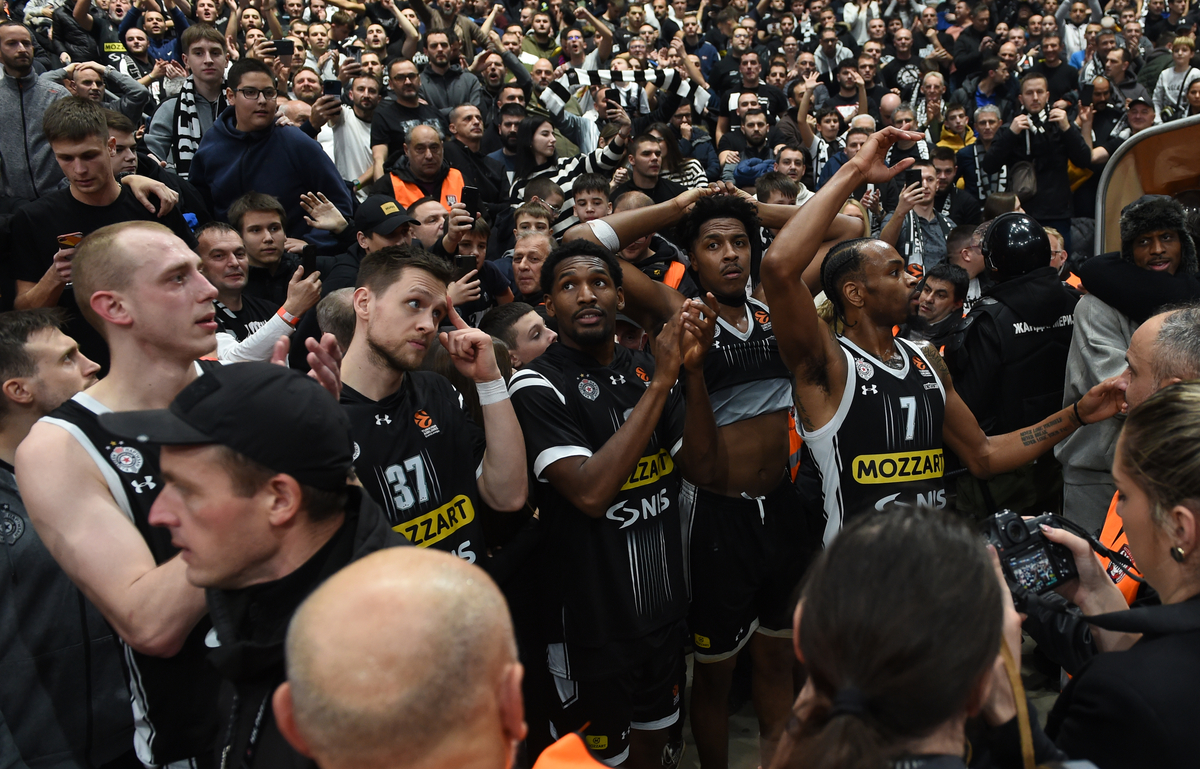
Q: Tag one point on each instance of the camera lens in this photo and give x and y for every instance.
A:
(1016, 531)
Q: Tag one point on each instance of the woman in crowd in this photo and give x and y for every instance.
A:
(894, 671)
(687, 171)
(536, 158)
(1001, 203)
(1133, 704)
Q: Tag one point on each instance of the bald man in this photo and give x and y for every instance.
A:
(406, 658)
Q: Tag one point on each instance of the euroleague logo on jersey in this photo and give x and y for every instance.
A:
(764, 319)
(127, 459)
(425, 423)
(920, 364)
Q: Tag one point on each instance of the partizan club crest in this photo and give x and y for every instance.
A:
(865, 370)
(126, 458)
(589, 389)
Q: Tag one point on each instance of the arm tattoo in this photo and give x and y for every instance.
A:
(1047, 431)
(938, 363)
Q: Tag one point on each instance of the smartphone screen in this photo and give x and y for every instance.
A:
(333, 87)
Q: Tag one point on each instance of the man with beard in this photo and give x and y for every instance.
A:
(539, 42)
(608, 436)
(393, 120)
(959, 206)
(491, 67)
(346, 129)
(445, 85)
(419, 455)
(30, 170)
(850, 99)
(749, 142)
(462, 152)
(511, 116)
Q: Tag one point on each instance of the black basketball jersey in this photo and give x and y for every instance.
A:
(242, 323)
(620, 577)
(745, 374)
(418, 454)
(884, 444)
(174, 699)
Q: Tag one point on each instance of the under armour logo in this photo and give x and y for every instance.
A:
(870, 390)
(383, 419)
(619, 379)
(149, 484)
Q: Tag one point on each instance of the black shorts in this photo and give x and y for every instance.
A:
(644, 696)
(746, 560)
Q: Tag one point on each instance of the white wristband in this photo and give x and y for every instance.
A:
(605, 234)
(491, 392)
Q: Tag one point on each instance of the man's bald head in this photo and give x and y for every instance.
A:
(404, 658)
(633, 200)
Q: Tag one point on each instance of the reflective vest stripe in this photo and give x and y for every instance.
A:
(406, 194)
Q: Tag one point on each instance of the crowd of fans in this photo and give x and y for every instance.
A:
(688, 331)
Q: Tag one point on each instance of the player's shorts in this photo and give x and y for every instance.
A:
(644, 696)
(747, 556)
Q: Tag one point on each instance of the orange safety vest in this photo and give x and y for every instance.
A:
(674, 274)
(1113, 537)
(406, 194)
(567, 753)
(1074, 281)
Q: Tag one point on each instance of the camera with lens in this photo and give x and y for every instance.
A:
(1027, 557)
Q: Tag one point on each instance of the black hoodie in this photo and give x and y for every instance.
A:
(1014, 356)
(251, 625)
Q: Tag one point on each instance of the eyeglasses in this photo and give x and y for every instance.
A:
(253, 93)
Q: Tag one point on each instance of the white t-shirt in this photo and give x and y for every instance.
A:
(348, 144)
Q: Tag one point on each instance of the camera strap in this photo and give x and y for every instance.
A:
(1118, 558)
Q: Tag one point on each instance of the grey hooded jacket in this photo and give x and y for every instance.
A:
(30, 169)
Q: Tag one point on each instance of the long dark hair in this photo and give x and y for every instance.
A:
(525, 163)
(672, 159)
(902, 618)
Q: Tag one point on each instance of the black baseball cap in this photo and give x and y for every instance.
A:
(380, 215)
(1140, 100)
(277, 417)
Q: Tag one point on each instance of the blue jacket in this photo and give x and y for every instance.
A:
(830, 168)
(168, 47)
(280, 161)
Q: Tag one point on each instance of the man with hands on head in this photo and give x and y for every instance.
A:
(866, 402)
(417, 452)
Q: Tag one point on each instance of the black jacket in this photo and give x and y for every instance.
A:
(479, 171)
(1048, 150)
(965, 95)
(1014, 357)
(251, 626)
(64, 701)
(1133, 291)
(1136, 708)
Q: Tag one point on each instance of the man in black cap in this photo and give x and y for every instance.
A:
(255, 461)
(379, 222)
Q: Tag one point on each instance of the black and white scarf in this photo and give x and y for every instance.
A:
(186, 133)
(556, 95)
(984, 182)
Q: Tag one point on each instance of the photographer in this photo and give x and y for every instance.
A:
(1131, 705)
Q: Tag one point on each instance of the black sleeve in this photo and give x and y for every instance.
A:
(1133, 291)
(551, 432)
(1059, 629)
(29, 264)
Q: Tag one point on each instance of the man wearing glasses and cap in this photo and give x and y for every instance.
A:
(255, 460)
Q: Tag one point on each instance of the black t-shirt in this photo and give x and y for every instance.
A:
(390, 120)
(104, 31)
(35, 231)
(905, 75)
(242, 323)
(620, 577)
(770, 98)
(418, 455)
(1059, 80)
(737, 141)
(847, 106)
(661, 192)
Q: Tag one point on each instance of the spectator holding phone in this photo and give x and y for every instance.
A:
(1131, 705)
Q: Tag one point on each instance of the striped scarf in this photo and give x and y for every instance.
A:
(556, 95)
(186, 133)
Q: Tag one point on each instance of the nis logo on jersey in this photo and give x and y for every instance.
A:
(649, 469)
(898, 467)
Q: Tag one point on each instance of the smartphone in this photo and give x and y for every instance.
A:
(470, 199)
(285, 47)
(333, 88)
(612, 95)
(912, 176)
(70, 241)
(464, 264)
(308, 260)
(1086, 94)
